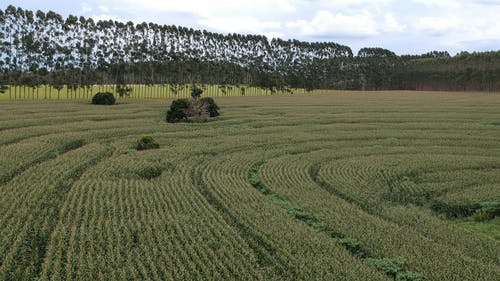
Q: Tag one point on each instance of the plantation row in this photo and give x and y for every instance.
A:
(345, 186)
(159, 91)
(43, 48)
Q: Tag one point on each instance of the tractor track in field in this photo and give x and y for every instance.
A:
(265, 252)
(313, 222)
(44, 158)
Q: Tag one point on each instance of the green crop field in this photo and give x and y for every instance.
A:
(338, 186)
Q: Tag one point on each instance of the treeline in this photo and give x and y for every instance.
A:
(463, 72)
(38, 48)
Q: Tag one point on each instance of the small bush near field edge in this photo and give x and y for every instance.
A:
(104, 98)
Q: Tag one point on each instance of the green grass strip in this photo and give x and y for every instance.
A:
(392, 267)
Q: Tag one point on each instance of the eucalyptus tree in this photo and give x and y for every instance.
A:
(3, 42)
(10, 19)
(3, 83)
(376, 66)
(18, 40)
(51, 46)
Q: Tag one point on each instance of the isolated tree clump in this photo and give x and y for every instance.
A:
(105, 98)
(192, 110)
(147, 142)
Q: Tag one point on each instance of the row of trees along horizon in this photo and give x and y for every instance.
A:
(43, 48)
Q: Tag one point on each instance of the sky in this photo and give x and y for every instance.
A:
(405, 27)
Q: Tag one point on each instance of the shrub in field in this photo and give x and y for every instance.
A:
(177, 111)
(193, 110)
(488, 211)
(212, 107)
(197, 111)
(104, 98)
(147, 142)
(201, 110)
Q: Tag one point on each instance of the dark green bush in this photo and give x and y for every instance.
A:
(105, 98)
(212, 107)
(177, 111)
(147, 142)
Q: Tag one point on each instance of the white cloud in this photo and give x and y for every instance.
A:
(479, 30)
(287, 6)
(103, 8)
(438, 3)
(213, 7)
(325, 23)
(240, 24)
(85, 8)
(438, 25)
(104, 17)
(486, 2)
(347, 3)
(405, 26)
(271, 35)
(391, 24)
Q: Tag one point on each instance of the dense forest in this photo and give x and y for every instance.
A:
(43, 48)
